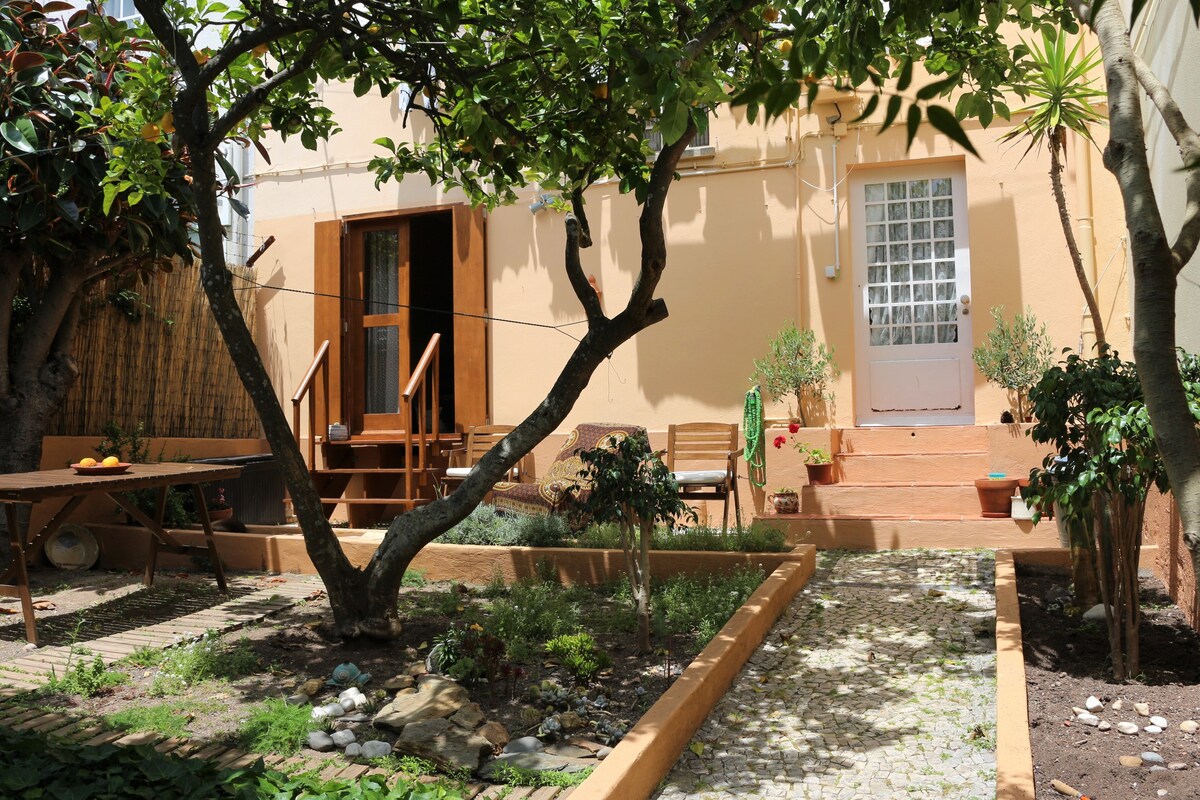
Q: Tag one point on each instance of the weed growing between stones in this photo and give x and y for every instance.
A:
(206, 658)
(169, 719)
(276, 727)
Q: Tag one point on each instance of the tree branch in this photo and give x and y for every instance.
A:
(579, 236)
(1189, 149)
(48, 317)
(10, 277)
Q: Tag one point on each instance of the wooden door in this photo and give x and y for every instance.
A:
(376, 359)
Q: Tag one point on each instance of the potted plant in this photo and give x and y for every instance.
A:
(219, 509)
(786, 500)
(995, 495)
(817, 461)
(1015, 357)
(798, 366)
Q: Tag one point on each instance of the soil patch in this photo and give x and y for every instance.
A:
(1066, 661)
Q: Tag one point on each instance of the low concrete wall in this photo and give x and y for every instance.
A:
(649, 750)
(1014, 757)
(124, 547)
(1173, 562)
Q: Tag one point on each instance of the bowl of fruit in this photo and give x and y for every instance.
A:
(109, 466)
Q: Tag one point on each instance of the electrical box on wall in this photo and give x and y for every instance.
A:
(831, 271)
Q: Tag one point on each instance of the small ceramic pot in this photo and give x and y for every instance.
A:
(785, 503)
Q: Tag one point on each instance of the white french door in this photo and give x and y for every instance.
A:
(912, 273)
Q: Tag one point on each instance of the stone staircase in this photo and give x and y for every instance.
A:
(900, 488)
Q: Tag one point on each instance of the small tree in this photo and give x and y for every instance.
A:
(1015, 356)
(633, 488)
(1093, 411)
(798, 366)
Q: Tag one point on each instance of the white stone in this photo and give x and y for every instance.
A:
(353, 750)
(334, 710)
(1152, 729)
(1151, 757)
(1095, 613)
(1104, 726)
(376, 749)
(1093, 704)
(319, 713)
(347, 704)
(320, 741)
(297, 700)
(1118, 705)
(353, 691)
(525, 744)
(1143, 709)
(1159, 721)
(1189, 726)
(1091, 720)
(1077, 711)
(1127, 728)
(343, 738)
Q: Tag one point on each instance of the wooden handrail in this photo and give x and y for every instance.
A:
(430, 362)
(320, 363)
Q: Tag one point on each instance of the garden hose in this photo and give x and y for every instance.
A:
(755, 451)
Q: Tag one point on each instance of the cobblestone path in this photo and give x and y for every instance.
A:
(877, 682)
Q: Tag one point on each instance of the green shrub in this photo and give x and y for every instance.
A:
(756, 539)
(275, 727)
(547, 531)
(704, 603)
(531, 613)
(518, 776)
(169, 719)
(206, 658)
(469, 654)
(144, 657)
(579, 654)
(483, 526)
(85, 678)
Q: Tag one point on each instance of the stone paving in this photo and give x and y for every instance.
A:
(877, 682)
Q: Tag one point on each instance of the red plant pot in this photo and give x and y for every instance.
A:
(820, 474)
(995, 496)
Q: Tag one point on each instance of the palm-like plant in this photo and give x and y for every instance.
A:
(1058, 75)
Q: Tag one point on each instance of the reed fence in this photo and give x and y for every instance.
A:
(152, 353)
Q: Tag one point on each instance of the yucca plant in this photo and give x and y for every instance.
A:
(1058, 74)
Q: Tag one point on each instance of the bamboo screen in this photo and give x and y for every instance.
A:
(168, 368)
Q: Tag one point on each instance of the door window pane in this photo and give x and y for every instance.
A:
(381, 272)
(383, 370)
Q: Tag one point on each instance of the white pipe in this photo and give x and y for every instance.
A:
(837, 215)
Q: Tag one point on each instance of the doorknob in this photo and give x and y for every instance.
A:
(965, 299)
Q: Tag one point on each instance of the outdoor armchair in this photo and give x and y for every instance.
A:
(711, 451)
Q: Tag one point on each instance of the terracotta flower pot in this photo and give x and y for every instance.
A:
(820, 474)
(785, 502)
(995, 496)
(217, 514)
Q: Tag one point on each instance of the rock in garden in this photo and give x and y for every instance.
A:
(539, 762)
(418, 669)
(1094, 614)
(334, 710)
(1127, 728)
(1091, 720)
(353, 691)
(1189, 726)
(311, 687)
(495, 733)
(1093, 704)
(1157, 768)
(1159, 721)
(353, 750)
(376, 749)
(1118, 705)
(348, 704)
(444, 743)
(469, 716)
(297, 700)
(1152, 729)
(570, 721)
(1177, 765)
(526, 744)
(1151, 757)
(568, 750)
(1130, 761)
(1104, 725)
(603, 753)
(399, 682)
(319, 713)
(1143, 709)
(343, 738)
(1077, 711)
(320, 741)
(435, 698)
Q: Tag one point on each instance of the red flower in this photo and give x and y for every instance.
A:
(793, 428)
(780, 441)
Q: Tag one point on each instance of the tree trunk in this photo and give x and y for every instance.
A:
(1064, 217)
(643, 595)
(1118, 531)
(1083, 561)
(1153, 274)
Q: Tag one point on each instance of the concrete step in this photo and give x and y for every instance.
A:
(903, 533)
(867, 499)
(958, 467)
(932, 439)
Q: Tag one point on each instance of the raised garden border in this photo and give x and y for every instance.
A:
(1014, 753)
(649, 750)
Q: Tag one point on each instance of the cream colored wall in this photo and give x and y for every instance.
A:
(748, 241)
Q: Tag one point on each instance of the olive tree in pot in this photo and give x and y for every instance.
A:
(1093, 411)
(632, 487)
(1015, 356)
(801, 367)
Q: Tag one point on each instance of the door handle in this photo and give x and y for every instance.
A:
(965, 302)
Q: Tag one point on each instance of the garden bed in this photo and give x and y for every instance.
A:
(272, 660)
(1066, 663)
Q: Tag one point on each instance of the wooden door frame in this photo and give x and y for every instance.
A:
(471, 340)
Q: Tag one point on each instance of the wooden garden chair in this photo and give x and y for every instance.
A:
(711, 451)
(481, 439)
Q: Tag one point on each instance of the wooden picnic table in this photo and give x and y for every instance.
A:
(34, 487)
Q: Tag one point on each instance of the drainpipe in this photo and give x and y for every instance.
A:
(1087, 240)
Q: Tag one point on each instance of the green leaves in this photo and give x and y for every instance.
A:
(20, 134)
